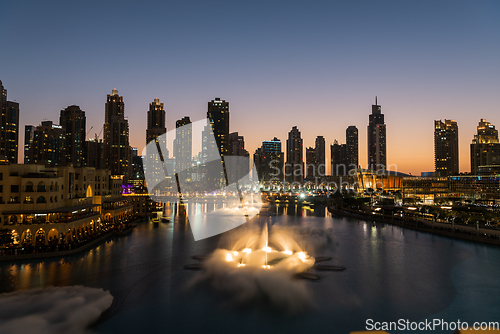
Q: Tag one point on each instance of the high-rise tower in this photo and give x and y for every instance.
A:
(9, 128)
(73, 121)
(446, 147)
(351, 137)
(294, 156)
(183, 145)
(29, 133)
(116, 148)
(319, 157)
(268, 161)
(49, 145)
(485, 147)
(218, 114)
(154, 131)
(156, 120)
(377, 157)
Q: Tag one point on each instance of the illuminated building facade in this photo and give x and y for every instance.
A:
(183, 145)
(338, 159)
(428, 190)
(310, 163)
(344, 157)
(315, 160)
(58, 205)
(425, 189)
(73, 121)
(9, 128)
(29, 133)
(218, 114)
(377, 153)
(268, 161)
(156, 120)
(446, 147)
(116, 148)
(49, 145)
(351, 134)
(154, 131)
(319, 157)
(485, 147)
(294, 157)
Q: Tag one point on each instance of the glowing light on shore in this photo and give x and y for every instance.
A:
(229, 257)
(287, 252)
(267, 249)
(247, 250)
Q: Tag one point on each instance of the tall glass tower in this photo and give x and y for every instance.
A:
(116, 136)
(377, 156)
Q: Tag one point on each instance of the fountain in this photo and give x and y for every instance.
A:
(278, 252)
(258, 269)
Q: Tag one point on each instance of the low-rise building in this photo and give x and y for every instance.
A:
(43, 205)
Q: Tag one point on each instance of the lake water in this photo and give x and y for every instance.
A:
(392, 273)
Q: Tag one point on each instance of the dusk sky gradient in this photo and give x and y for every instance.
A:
(317, 65)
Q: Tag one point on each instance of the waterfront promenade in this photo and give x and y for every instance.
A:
(47, 251)
(466, 232)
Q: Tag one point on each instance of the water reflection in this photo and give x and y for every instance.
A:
(390, 275)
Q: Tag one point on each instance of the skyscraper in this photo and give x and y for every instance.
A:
(218, 114)
(49, 145)
(377, 157)
(268, 160)
(237, 145)
(294, 156)
(446, 147)
(344, 157)
(137, 166)
(73, 121)
(338, 153)
(319, 157)
(237, 148)
(94, 148)
(154, 131)
(310, 163)
(485, 147)
(116, 148)
(315, 160)
(29, 133)
(9, 128)
(156, 120)
(351, 136)
(183, 145)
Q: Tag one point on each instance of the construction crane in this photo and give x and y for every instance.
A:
(87, 135)
(98, 135)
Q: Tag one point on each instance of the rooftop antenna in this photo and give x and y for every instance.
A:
(376, 101)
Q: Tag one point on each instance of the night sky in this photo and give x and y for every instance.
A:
(315, 64)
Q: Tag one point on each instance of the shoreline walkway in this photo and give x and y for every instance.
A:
(483, 235)
(81, 248)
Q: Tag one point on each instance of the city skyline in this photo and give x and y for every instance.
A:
(91, 137)
(438, 64)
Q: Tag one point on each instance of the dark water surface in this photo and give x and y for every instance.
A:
(391, 274)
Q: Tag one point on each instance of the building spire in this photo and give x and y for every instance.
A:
(376, 101)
